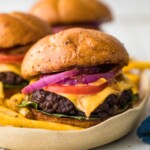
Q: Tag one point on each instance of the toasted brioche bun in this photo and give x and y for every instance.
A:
(18, 28)
(71, 48)
(72, 11)
(103, 133)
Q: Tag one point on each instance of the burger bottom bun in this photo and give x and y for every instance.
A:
(103, 133)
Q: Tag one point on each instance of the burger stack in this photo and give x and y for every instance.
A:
(18, 32)
(78, 78)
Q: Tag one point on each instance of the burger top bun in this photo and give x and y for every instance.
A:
(18, 28)
(70, 11)
(71, 48)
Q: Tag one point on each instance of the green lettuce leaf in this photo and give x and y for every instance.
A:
(9, 86)
(67, 116)
(26, 103)
(135, 97)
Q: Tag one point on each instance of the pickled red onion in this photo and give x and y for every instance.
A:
(85, 79)
(49, 80)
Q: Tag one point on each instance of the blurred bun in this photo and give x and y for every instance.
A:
(18, 28)
(71, 11)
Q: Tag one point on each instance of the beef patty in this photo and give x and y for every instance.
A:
(11, 78)
(52, 103)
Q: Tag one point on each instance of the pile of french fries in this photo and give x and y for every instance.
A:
(134, 69)
(12, 114)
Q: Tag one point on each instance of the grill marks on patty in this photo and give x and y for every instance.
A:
(52, 103)
(113, 104)
(11, 78)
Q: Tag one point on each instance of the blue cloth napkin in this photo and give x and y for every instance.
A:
(143, 131)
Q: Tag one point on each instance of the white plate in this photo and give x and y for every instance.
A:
(103, 133)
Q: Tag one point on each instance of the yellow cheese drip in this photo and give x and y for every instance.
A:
(88, 103)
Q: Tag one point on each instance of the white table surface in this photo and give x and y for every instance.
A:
(131, 26)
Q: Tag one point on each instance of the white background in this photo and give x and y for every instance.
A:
(131, 25)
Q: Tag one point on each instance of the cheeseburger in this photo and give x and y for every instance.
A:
(64, 14)
(18, 32)
(77, 78)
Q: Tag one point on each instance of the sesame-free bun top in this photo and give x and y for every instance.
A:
(71, 11)
(72, 48)
(18, 28)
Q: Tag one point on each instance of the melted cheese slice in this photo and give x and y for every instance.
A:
(88, 103)
(9, 67)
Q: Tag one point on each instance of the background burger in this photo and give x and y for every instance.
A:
(64, 14)
(18, 32)
(78, 78)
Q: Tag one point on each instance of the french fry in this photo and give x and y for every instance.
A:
(9, 112)
(1, 100)
(137, 65)
(27, 123)
(1, 93)
(26, 113)
(14, 101)
(133, 77)
(2, 90)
